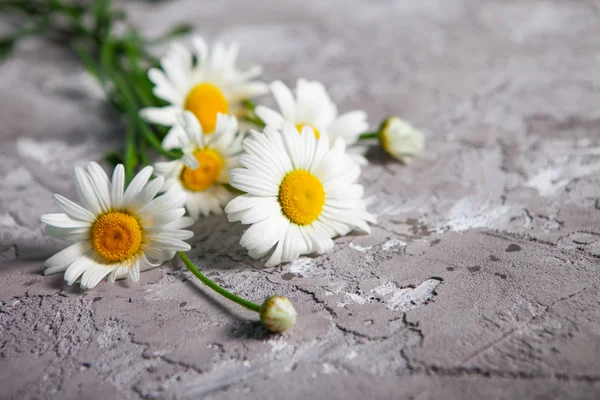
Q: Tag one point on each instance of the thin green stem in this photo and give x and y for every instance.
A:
(368, 135)
(249, 104)
(244, 303)
(254, 120)
(154, 142)
(129, 156)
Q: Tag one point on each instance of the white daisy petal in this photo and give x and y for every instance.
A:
(244, 202)
(182, 222)
(157, 253)
(146, 194)
(160, 115)
(252, 183)
(68, 234)
(169, 243)
(201, 49)
(257, 214)
(63, 221)
(145, 264)
(101, 185)
(85, 191)
(93, 275)
(275, 258)
(118, 273)
(285, 100)
(267, 230)
(166, 169)
(174, 233)
(164, 89)
(61, 260)
(136, 185)
(167, 217)
(77, 268)
(269, 117)
(190, 161)
(134, 271)
(117, 186)
(294, 244)
(349, 126)
(173, 137)
(73, 210)
(164, 202)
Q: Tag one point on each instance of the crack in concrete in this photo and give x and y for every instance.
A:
(509, 334)
(431, 369)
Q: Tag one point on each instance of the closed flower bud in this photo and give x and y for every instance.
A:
(277, 314)
(400, 138)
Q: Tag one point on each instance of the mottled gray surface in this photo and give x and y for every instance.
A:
(480, 280)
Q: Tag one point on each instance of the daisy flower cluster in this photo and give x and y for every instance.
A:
(293, 178)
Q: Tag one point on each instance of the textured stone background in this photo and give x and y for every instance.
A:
(480, 280)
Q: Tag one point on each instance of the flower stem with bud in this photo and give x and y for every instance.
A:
(277, 313)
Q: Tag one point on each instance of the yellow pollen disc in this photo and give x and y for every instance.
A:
(205, 101)
(116, 236)
(300, 126)
(203, 177)
(301, 196)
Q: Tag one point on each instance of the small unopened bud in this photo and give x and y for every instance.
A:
(400, 138)
(277, 314)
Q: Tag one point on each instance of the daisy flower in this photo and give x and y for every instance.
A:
(203, 170)
(116, 232)
(210, 85)
(300, 193)
(313, 107)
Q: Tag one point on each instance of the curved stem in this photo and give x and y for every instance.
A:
(244, 303)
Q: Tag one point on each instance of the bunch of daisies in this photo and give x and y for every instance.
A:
(290, 174)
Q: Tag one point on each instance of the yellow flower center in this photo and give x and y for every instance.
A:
(205, 101)
(300, 126)
(301, 196)
(116, 236)
(207, 173)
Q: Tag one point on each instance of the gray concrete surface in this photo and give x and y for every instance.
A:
(480, 280)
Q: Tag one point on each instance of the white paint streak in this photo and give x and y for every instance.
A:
(359, 248)
(551, 181)
(303, 266)
(392, 243)
(356, 298)
(397, 298)
(328, 369)
(475, 212)
(409, 299)
(277, 345)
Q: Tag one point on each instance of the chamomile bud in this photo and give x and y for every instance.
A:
(400, 138)
(277, 314)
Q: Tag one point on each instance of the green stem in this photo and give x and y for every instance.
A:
(244, 303)
(154, 142)
(254, 120)
(129, 156)
(368, 135)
